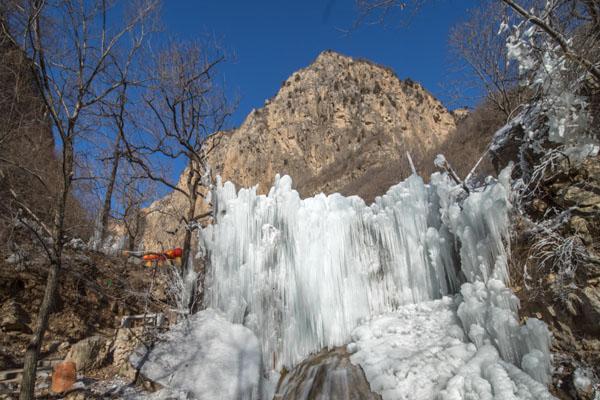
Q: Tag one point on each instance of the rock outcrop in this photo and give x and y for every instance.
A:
(89, 353)
(339, 125)
(562, 280)
(326, 375)
(14, 318)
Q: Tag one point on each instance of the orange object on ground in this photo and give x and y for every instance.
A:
(63, 376)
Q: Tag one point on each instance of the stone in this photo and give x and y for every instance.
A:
(540, 206)
(77, 244)
(591, 308)
(326, 375)
(134, 260)
(63, 346)
(13, 318)
(89, 353)
(579, 226)
(573, 303)
(15, 258)
(126, 341)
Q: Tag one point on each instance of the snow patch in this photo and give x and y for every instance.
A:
(207, 357)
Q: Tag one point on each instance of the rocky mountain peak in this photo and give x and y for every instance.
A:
(338, 125)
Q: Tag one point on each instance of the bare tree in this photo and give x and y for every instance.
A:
(132, 195)
(186, 108)
(73, 57)
(115, 111)
(379, 11)
(556, 19)
(481, 50)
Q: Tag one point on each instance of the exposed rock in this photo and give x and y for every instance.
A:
(127, 340)
(89, 353)
(539, 206)
(326, 375)
(582, 188)
(591, 308)
(15, 258)
(13, 318)
(460, 113)
(579, 225)
(339, 125)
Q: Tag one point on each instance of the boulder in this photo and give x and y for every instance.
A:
(326, 375)
(590, 299)
(13, 318)
(15, 258)
(127, 340)
(89, 353)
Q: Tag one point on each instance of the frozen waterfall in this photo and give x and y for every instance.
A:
(303, 274)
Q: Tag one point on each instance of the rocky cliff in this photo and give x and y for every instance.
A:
(339, 125)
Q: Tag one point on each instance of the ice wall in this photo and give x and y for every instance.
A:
(303, 273)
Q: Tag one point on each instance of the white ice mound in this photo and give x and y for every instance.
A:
(413, 352)
(420, 352)
(207, 357)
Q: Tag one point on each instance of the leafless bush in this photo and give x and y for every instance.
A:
(556, 259)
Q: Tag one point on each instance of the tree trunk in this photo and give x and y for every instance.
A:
(33, 348)
(109, 190)
(187, 239)
(186, 265)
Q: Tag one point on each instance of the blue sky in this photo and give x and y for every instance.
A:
(270, 39)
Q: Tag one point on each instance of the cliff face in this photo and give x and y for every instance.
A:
(338, 125)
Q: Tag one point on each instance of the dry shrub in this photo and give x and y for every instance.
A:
(463, 147)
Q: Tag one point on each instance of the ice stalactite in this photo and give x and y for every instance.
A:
(304, 273)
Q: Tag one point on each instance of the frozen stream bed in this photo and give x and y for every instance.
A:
(420, 352)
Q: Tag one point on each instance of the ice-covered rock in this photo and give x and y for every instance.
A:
(207, 357)
(326, 375)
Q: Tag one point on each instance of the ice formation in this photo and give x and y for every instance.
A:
(303, 274)
(206, 357)
(420, 352)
